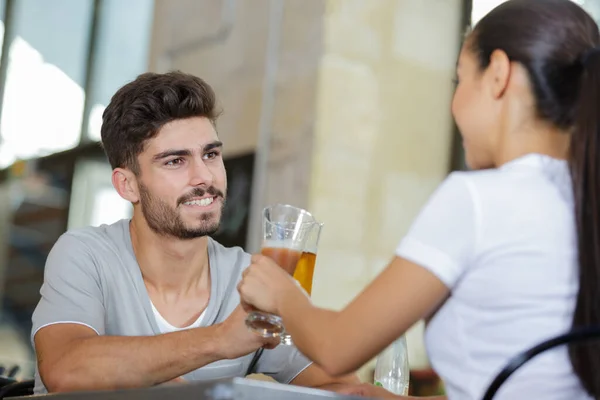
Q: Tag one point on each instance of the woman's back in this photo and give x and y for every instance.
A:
(512, 269)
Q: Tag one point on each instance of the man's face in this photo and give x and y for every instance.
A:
(182, 182)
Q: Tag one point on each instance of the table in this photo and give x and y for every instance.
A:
(227, 389)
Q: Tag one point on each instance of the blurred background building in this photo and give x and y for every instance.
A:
(338, 106)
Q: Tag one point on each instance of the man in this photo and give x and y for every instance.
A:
(154, 299)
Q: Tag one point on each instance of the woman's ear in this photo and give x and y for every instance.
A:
(498, 73)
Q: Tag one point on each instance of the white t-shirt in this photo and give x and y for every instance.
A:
(165, 327)
(504, 242)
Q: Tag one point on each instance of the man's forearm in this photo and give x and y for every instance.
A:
(111, 362)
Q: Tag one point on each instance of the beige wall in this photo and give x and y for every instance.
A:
(262, 58)
(204, 38)
(382, 137)
(349, 99)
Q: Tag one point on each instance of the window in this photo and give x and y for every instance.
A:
(64, 60)
(60, 52)
(94, 201)
(2, 7)
(482, 7)
(121, 53)
(43, 98)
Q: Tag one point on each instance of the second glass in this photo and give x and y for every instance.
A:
(305, 268)
(285, 232)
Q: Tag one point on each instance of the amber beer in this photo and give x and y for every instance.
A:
(300, 265)
(285, 232)
(284, 257)
(305, 270)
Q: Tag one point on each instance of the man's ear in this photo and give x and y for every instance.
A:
(125, 183)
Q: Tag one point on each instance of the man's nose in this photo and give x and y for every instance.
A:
(201, 175)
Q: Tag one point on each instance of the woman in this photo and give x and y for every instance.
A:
(502, 257)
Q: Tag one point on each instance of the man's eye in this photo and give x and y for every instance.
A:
(210, 155)
(175, 161)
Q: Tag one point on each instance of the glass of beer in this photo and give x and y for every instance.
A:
(285, 231)
(305, 268)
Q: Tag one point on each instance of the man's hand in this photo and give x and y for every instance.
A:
(236, 340)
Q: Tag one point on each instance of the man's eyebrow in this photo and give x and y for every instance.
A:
(171, 153)
(214, 145)
(185, 152)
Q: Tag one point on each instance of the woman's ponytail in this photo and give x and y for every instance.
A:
(585, 172)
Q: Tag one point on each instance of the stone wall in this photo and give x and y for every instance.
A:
(382, 137)
(347, 102)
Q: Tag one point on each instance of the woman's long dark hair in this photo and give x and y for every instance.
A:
(557, 42)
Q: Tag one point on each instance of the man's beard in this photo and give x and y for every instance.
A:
(166, 220)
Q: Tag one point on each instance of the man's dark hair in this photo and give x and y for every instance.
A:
(141, 108)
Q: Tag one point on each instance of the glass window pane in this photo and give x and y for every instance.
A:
(44, 96)
(2, 5)
(591, 6)
(482, 7)
(122, 52)
(94, 201)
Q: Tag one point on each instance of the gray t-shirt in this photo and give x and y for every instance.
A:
(92, 278)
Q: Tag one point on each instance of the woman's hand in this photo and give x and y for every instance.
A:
(265, 285)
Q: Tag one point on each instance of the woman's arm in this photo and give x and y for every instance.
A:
(341, 342)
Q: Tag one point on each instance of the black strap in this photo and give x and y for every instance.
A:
(23, 388)
(254, 361)
(576, 335)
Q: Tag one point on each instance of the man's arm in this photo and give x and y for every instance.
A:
(73, 357)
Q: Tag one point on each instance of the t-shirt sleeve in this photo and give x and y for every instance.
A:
(71, 292)
(443, 237)
(283, 363)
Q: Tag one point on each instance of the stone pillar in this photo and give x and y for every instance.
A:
(352, 103)
(262, 58)
(382, 135)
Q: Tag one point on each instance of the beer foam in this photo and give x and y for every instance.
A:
(282, 244)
